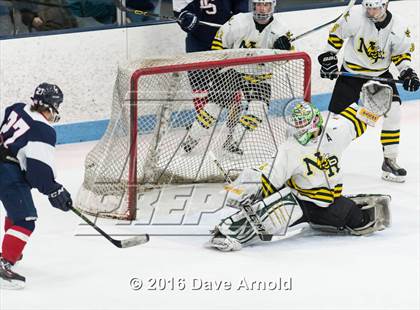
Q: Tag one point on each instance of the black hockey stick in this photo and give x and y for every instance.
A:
(127, 243)
(367, 77)
(146, 13)
(348, 8)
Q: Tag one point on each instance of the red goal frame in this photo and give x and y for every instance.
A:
(138, 74)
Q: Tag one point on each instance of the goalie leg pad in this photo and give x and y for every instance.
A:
(376, 207)
(341, 213)
(370, 213)
(275, 213)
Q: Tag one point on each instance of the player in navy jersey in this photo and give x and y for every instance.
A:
(27, 144)
(190, 12)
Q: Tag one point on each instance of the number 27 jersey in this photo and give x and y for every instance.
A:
(31, 140)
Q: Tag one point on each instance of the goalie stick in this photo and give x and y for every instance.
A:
(146, 13)
(127, 243)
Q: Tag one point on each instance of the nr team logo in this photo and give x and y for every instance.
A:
(371, 50)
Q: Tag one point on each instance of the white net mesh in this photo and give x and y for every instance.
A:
(168, 114)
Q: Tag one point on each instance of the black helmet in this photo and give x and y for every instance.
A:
(49, 96)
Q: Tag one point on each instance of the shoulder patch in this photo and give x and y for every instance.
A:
(412, 47)
(334, 28)
(346, 16)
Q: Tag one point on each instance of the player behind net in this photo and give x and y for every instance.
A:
(200, 37)
(257, 29)
(27, 143)
(376, 39)
(304, 183)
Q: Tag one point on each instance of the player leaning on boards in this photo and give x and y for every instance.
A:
(309, 166)
(27, 142)
(257, 29)
(376, 38)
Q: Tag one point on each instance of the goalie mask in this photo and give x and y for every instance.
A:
(375, 9)
(306, 120)
(48, 96)
(263, 14)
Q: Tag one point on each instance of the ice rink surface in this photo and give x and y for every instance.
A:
(380, 271)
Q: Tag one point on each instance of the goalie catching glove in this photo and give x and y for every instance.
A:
(376, 101)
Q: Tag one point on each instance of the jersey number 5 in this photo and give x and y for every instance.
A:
(209, 8)
(18, 124)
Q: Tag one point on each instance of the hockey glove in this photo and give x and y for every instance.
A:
(188, 21)
(411, 80)
(282, 43)
(329, 68)
(60, 199)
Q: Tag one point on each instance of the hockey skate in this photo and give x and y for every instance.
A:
(8, 278)
(232, 146)
(392, 172)
(189, 144)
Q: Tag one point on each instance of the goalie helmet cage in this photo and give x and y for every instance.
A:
(157, 101)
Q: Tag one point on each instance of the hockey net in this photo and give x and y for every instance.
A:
(157, 101)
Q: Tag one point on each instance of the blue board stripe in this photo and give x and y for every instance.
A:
(93, 130)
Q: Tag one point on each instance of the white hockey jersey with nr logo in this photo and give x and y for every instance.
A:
(240, 32)
(311, 176)
(370, 51)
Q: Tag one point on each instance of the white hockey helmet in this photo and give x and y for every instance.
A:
(263, 16)
(374, 4)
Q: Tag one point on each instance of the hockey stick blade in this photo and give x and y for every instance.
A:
(128, 243)
(137, 240)
(349, 6)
